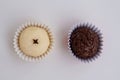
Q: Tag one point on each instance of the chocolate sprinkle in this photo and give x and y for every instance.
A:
(85, 42)
(35, 41)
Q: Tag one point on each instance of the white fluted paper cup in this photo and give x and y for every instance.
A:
(22, 54)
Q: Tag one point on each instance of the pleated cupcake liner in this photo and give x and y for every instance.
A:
(20, 53)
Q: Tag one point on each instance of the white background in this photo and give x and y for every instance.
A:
(60, 15)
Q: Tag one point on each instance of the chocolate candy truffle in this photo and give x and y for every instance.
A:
(85, 42)
(34, 41)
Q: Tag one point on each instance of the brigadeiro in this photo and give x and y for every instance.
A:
(85, 42)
